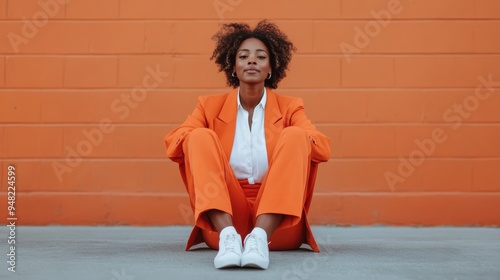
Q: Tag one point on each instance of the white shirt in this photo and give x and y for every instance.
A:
(249, 154)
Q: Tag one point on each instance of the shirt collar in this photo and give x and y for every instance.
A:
(262, 102)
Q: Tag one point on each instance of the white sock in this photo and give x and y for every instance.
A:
(226, 231)
(260, 232)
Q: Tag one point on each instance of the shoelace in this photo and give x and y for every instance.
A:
(251, 242)
(230, 242)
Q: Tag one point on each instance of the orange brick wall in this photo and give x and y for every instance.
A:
(414, 122)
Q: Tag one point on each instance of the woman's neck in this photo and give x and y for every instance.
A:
(250, 95)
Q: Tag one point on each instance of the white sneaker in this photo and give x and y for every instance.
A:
(256, 252)
(229, 254)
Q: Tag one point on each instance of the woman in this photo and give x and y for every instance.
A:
(249, 158)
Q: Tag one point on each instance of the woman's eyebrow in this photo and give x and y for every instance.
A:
(247, 50)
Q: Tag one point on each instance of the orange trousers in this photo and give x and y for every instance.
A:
(211, 184)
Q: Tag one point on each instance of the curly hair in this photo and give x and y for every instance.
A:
(230, 37)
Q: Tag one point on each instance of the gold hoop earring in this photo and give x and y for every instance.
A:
(233, 75)
(269, 77)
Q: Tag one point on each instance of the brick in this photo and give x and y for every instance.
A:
(343, 106)
(141, 71)
(416, 209)
(130, 210)
(11, 43)
(119, 141)
(192, 9)
(300, 75)
(440, 105)
(163, 176)
(61, 38)
(77, 107)
(117, 106)
(487, 9)
(366, 175)
(361, 141)
(453, 176)
(428, 106)
(388, 140)
(70, 175)
(423, 9)
(101, 209)
(29, 8)
(147, 9)
(365, 37)
(100, 37)
(350, 209)
(485, 39)
(382, 106)
(329, 35)
(62, 208)
(197, 72)
(2, 143)
(20, 107)
(91, 72)
(92, 9)
(3, 8)
(100, 176)
(54, 38)
(194, 37)
(386, 106)
(2, 71)
(443, 71)
(118, 37)
(33, 141)
(485, 175)
(479, 140)
(28, 174)
(166, 106)
(362, 72)
(140, 142)
(34, 72)
(65, 175)
(119, 176)
(281, 9)
(300, 33)
(349, 175)
(158, 106)
(159, 37)
(91, 141)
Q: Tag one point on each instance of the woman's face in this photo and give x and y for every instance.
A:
(252, 62)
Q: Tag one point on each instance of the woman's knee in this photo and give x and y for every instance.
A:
(294, 133)
(200, 136)
(201, 132)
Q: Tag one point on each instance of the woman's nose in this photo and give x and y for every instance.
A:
(251, 59)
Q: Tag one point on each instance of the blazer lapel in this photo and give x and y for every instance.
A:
(273, 123)
(225, 123)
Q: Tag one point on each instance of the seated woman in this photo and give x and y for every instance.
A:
(249, 158)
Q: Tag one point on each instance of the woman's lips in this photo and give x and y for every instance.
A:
(252, 71)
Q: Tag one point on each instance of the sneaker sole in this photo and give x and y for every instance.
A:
(255, 265)
(228, 265)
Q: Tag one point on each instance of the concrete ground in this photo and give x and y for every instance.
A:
(140, 253)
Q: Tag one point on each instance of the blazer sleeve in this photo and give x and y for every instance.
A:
(175, 138)
(320, 143)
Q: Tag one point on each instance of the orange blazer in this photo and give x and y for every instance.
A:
(218, 113)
